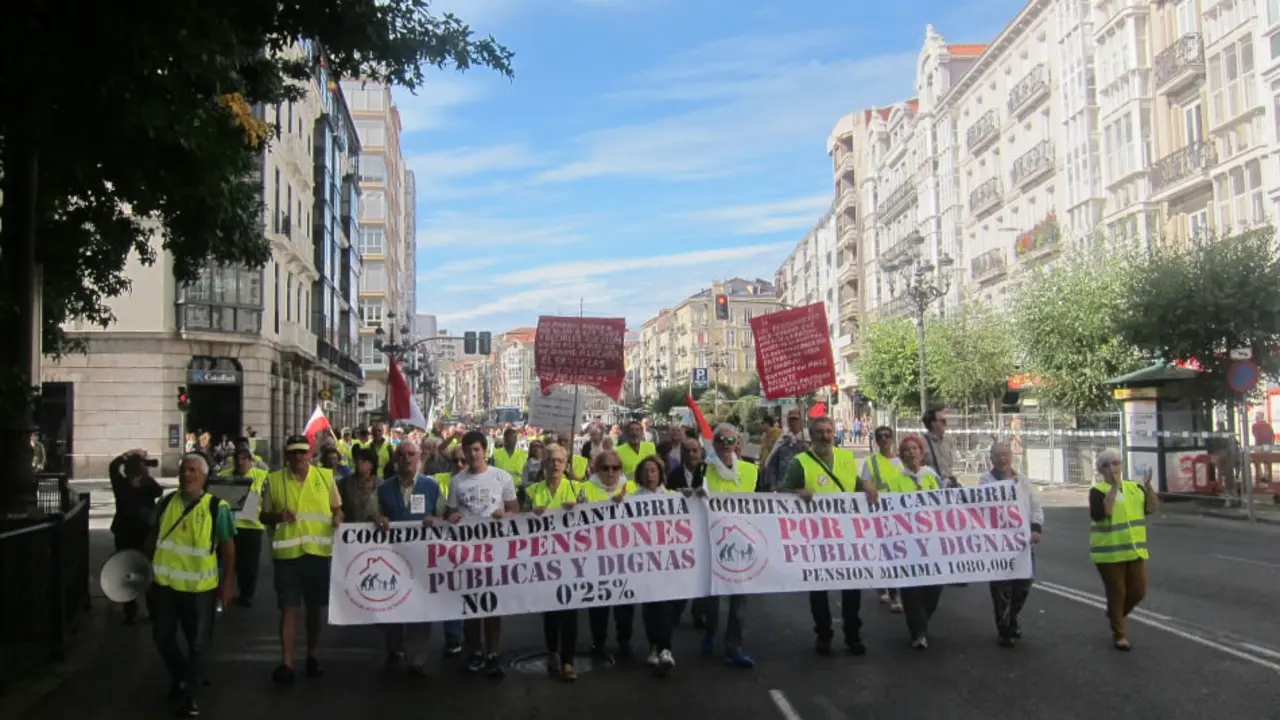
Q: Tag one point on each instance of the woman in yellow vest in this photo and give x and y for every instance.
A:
(1118, 509)
(608, 483)
(920, 602)
(881, 468)
(249, 528)
(553, 490)
(191, 530)
(634, 449)
(303, 505)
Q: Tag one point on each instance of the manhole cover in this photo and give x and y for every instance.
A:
(536, 664)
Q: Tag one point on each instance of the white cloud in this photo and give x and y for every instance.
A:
(704, 260)
(482, 230)
(454, 268)
(755, 97)
(540, 300)
(444, 174)
(428, 107)
(768, 217)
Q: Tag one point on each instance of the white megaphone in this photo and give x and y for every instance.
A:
(125, 576)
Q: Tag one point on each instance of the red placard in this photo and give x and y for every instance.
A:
(793, 351)
(581, 351)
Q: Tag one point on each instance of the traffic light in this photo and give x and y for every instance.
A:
(469, 342)
(183, 400)
(486, 343)
(722, 307)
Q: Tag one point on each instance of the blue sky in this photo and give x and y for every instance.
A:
(645, 147)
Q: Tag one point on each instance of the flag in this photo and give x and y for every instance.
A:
(401, 404)
(316, 425)
(703, 426)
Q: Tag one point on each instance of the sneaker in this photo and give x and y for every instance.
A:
(1005, 641)
(920, 643)
(708, 644)
(896, 607)
(884, 597)
(188, 709)
(493, 666)
(666, 661)
(652, 661)
(568, 674)
(855, 646)
(475, 663)
(313, 668)
(453, 650)
(601, 656)
(1015, 631)
(823, 645)
(283, 674)
(739, 659)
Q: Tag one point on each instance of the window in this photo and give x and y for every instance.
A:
(373, 168)
(1192, 127)
(372, 133)
(1240, 197)
(373, 241)
(730, 337)
(225, 299)
(374, 277)
(371, 312)
(1231, 81)
(1198, 224)
(1187, 17)
(374, 205)
(1273, 12)
(369, 355)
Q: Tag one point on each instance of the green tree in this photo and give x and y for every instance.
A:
(140, 134)
(1066, 317)
(1205, 298)
(889, 364)
(752, 387)
(971, 353)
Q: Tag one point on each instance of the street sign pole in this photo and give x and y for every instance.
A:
(1242, 376)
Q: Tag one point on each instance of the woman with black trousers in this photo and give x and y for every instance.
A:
(135, 493)
(658, 617)
(554, 490)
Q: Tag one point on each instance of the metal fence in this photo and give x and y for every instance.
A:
(1049, 448)
(44, 568)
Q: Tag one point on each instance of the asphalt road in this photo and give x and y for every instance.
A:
(1207, 644)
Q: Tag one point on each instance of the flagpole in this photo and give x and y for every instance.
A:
(573, 427)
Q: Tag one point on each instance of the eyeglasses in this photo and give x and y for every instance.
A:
(884, 437)
(611, 468)
(727, 440)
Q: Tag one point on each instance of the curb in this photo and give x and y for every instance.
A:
(1259, 519)
(24, 694)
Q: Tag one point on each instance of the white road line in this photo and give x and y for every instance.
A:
(1145, 619)
(1248, 561)
(1101, 601)
(833, 712)
(784, 705)
(1263, 650)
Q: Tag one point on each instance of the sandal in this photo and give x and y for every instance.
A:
(567, 673)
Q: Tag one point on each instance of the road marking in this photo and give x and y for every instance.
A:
(833, 712)
(1259, 649)
(784, 706)
(1161, 623)
(1248, 561)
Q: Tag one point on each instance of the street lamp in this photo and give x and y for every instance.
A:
(922, 284)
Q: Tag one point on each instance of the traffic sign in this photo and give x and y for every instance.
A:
(1242, 376)
(699, 377)
(1243, 353)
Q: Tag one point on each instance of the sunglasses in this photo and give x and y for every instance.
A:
(727, 440)
(884, 437)
(611, 468)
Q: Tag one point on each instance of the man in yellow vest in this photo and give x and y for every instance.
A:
(1118, 509)
(191, 530)
(509, 457)
(249, 529)
(825, 468)
(635, 449)
(725, 472)
(303, 505)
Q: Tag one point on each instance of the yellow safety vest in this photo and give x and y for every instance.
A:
(630, 458)
(818, 480)
(259, 478)
(902, 482)
(581, 467)
(443, 479)
(344, 451)
(568, 492)
(312, 531)
(186, 557)
(884, 472)
(512, 462)
(747, 476)
(1123, 536)
(597, 492)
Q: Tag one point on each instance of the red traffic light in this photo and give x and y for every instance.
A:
(182, 398)
(722, 299)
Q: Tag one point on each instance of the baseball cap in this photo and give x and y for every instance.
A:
(297, 443)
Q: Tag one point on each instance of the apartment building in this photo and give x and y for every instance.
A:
(256, 349)
(1269, 38)
(514, 352)
(385, 250)
(847, 147)
(688, 336)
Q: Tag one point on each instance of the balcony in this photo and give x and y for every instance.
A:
(844, 163)
(1030, 91)
(1042, 240)
(985, 197)
(849, 308)
(1032, 165)
(848, 271)
(1190, 162)
(846, 230)
(981, 133)
(989, 266)
(898, 200)
(1180, 64)
(846, 202)
(894, 307)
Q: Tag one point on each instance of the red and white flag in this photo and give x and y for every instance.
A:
(401, 404)
(316, 425)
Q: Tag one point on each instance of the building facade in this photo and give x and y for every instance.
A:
(255, 349)
(383, 302)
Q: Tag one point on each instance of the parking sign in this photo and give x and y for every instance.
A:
(699, 377)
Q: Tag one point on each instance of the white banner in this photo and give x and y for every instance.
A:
(771, 543)
(644, 549)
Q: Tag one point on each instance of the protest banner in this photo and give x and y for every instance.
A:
(559, 408)
(793, 351)
(644, 549)
(770, 543)
(581, 351)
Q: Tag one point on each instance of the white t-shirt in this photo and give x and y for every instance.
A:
(479, 495)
